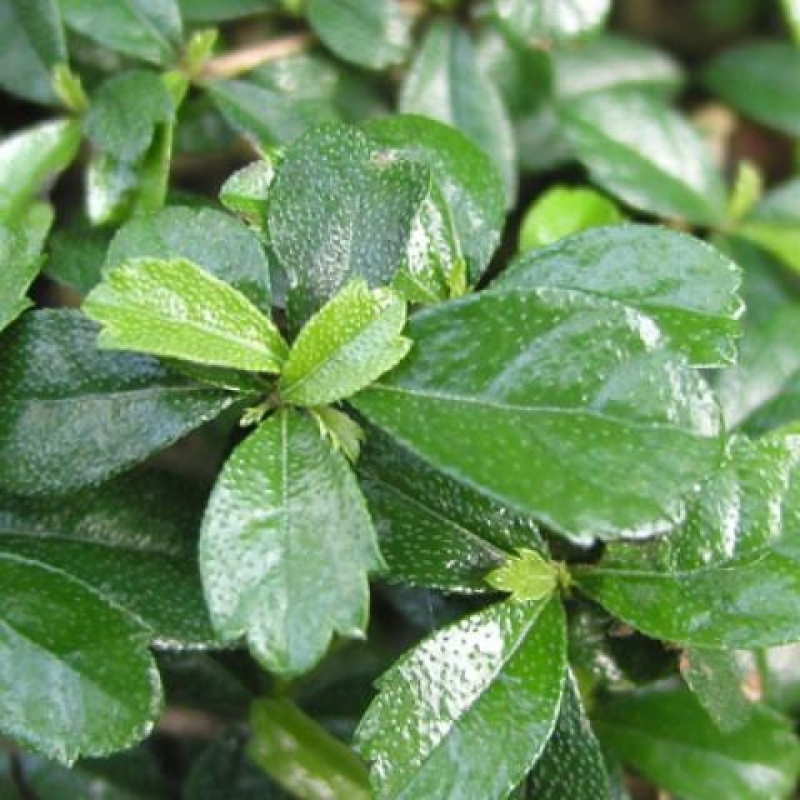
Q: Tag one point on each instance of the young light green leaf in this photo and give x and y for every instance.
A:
(762, 80)
(561, 211)
(527, 576)
(302, 756)
(471, 186)
(216, 241)
(347, 345)
(139, 28)
(247, 190)
(434, 531)
(491, 367)
(747, 190)
(29, 158)
(646, 154)
(31, 44)
(663, 733)
(447, 708)
(286, 546)
(551, 19)
(175, 309)
(688, 288)
(344, 433)
(341, 208)
(20, 260)
(74, 416)
(445, 82)
(97, 687)
(370, 33)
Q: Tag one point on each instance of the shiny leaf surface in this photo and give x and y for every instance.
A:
(552, 19)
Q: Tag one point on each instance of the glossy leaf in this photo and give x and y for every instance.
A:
(552, 19)
(175, 309)
(485, 690)
(664, 734)
(561, 211)
(286, 546)
(345, 346)
(370, 33)
(302, 756)
(131, 541)
(31, 44)
(73, 416)
(728, 578)
(791, 9)
(469, 182)
(491, 367)
(139, 28)
(762, 80)
(687, 287)
(77, 677)
(572, 765)
(341, 209)
(29, 158)
(216, 241)
(247, 190)
(645, 154)
(445, 82)
(125, 112)
(20, 260)
(434, 531)
(77, 253)
(526, 576)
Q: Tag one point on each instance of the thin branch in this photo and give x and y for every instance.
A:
(237, 62)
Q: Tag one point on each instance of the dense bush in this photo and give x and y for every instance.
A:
(399, 399)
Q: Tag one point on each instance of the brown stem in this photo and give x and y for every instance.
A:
(237, 62)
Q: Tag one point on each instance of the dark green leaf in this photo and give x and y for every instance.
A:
(31, 44)
(302, 756)
(77, 677)
(130, 540)
(665, 734)
(483, 691)
(74, 416)
(646, 154)
(111, 187)
(445, 82)
(471, 185)
(687, 287)
(490, 368)
(762, 80)
(340, 209)
(222, 10)
(286, 546)
(139, 28)
(77, 253)
(216, 241)
(551, 19)
(369, 33)
(434, 531)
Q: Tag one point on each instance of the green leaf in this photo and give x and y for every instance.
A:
(92, 685)
(369, 33)
(175, 309)
(31, 44)
(20, 260)
(664, 734)
(434, 531)
(445, 82)
(551, 19)
(490, 367)
(131, 541)
(341, 208)
(526, 576)
(222, 10)
(687, 287)
(719, 681)
(469, 182)
(216, 241)
(303, 757)
(485, 690)
(286, 546)
(111, 187)
(343, 433)
(747, 190)
(572, 765)
(561, 211)
(29, 158)
(645, 154)
(74, 416)
(780, 677)
(345, 346)
(791, 10)
(762, 80)
(139, 28)
(125, 112)
(729, 578)
(247, 190)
